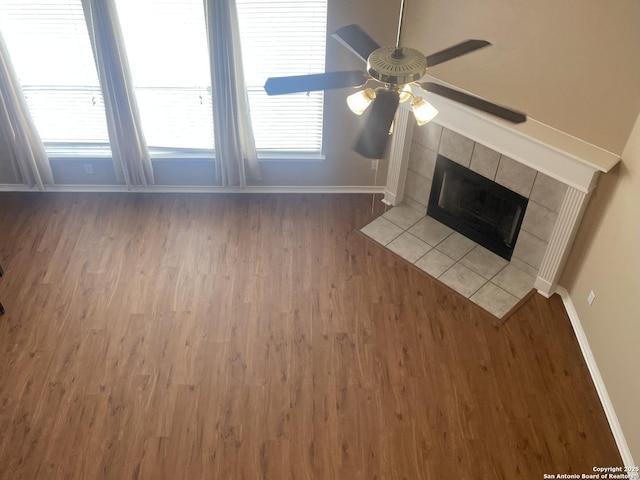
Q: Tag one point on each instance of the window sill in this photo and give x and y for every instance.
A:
(79, 152)
(263, 156)
(165, 154)
(104, 152)
(301, 157)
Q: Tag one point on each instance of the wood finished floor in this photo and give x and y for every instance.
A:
(262, 337)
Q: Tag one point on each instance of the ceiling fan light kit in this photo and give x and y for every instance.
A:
(359, 101)
(423, 110)
(395, 69)
(405, 93)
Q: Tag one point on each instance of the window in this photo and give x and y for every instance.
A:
(51, 53)
(280, 38)
(166, 45)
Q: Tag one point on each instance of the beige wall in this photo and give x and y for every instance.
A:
(606, 259)
(572, 64)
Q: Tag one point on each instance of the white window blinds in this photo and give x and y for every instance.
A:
(280, 38)
(166, 46)
(51, 53)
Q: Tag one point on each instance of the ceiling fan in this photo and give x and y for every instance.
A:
(394, 69)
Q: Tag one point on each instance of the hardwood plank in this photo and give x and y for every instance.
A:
(261, 337)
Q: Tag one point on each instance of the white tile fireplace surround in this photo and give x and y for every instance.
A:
(555, 171)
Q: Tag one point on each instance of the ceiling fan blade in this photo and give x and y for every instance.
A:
(375, 134)
(476, 102)
(458, 50)
(317, 81)
(356, 40)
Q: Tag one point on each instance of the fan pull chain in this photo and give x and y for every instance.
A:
(375, 184)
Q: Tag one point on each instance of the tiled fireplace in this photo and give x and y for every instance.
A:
(544, 193)
(494, 283)
(554, 171)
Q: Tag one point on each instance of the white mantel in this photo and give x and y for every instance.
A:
(561, 156)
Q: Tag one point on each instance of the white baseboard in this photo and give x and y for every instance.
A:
(609, 411)
(190, 189)
(544, 288)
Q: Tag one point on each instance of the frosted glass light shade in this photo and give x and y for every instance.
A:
(423, 110)
(359, 101)
(405, 93)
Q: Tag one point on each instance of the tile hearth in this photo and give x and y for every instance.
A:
(480, 275)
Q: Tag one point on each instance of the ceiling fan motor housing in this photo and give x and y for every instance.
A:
(396, 66)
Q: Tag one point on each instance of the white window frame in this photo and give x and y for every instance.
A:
(103, 150)
(297, 50)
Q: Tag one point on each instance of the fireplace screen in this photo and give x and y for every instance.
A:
(478, 208)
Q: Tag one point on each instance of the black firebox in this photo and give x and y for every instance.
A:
(477, 207)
